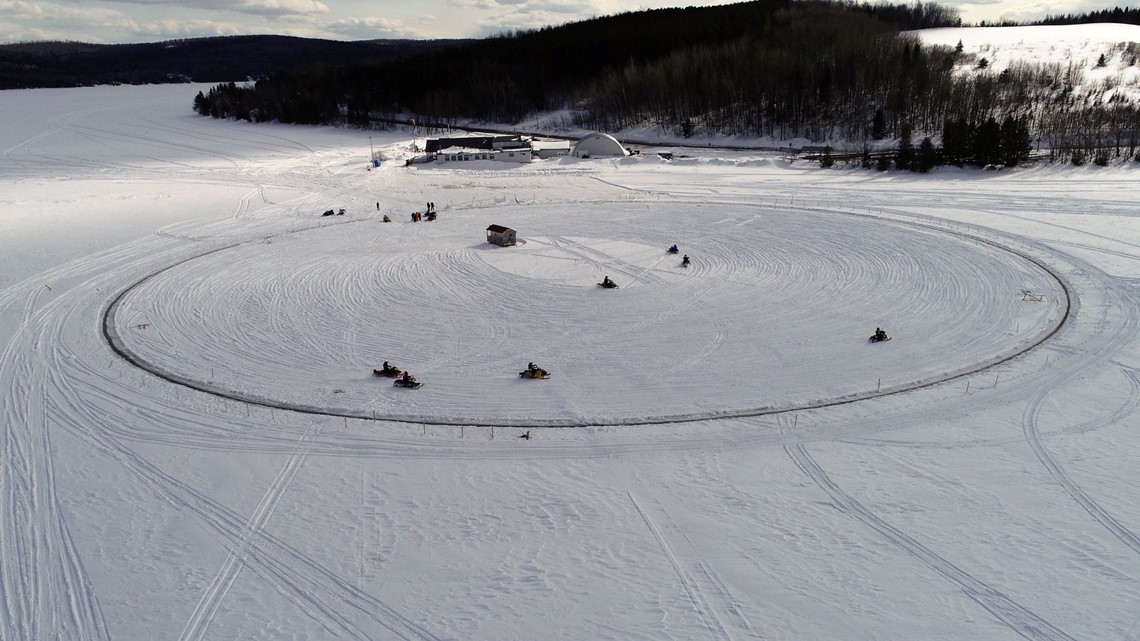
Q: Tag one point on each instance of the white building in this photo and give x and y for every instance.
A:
(544, 149)
(599, 145)
(519, 154)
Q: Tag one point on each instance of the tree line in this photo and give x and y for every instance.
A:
(219, 59)
(811, 69)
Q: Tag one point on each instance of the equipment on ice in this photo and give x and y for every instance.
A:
(879, 336)
(607, 283)
(673, 249)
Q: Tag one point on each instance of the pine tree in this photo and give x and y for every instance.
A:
(201, 104)
(904, 157)
(826, 161)
(879, 125)
(987, 143)
(958, 142)
(927, 155)
(1015, 141)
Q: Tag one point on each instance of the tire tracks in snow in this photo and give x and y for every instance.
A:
(303, 580)
(44, 584)
(697, 587)
(1019, 619)
(110, 332)
(1110, 344)
(208, 605)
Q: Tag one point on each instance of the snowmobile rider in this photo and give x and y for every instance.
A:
(531, 366)
(685, 260)
(880, 335)
(606, 281)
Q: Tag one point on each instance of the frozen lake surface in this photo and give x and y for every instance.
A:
(193, 445)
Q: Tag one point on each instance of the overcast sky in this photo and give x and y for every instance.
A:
(117, 21)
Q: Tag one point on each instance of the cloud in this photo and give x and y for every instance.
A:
(994, 10)
(33, 21)
(279, 7)
(254, 7)
(37, 11)
(22, 21)
(374, 29)
(571, 7)
(159, 30)
(506, 15)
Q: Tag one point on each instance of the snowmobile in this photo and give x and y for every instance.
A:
(879, 337)
(673, 250)
(409, 381)
(534, 372)
(388, 371)
(607, 283)
(685, 261)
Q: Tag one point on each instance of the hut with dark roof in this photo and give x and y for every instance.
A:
(500, 235)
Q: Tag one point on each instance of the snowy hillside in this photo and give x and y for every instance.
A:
(193, 445)
(1074, 49)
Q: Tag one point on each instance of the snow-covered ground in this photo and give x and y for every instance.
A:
(1074, 51)
(193, 446)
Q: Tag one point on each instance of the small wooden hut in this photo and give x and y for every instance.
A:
(500, 235)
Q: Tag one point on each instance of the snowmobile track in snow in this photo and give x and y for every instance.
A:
(112, 332)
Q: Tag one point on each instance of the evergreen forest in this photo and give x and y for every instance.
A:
(817, 69)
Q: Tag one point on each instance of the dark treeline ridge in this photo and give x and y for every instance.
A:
(815, 69)
(1123, 16)
(220, 59)
(507, 77)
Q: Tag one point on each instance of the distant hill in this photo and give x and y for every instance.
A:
(221, 59)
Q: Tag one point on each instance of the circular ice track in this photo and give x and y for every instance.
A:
(774, 313)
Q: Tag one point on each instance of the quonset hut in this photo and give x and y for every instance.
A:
(599, 145)
(500, 235)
